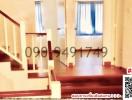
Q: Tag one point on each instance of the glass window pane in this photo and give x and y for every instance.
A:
(38, 16)
(89, 18)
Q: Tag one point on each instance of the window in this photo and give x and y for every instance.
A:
(90, 18)
(38, 16)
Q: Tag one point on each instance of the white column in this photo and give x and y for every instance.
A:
(23, 44)
(49, 35)
(55, 89)
(33, 55)
(70, 29)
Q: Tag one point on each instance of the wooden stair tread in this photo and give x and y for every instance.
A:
(25, 93)
(15, 66)
(73, 87)
(108, 84)
(36, 75)
(67, 91)
(103, 83)
(103, 78)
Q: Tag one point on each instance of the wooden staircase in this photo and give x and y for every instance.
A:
(20, 78)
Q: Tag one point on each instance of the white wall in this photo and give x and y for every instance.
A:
(85, 41)
(20, 10)
(119, 32)
(89, 41)
(18, 80)
(50, 18)
(127, 36)
(109, 29)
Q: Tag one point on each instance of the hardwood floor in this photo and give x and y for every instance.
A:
(86, 66)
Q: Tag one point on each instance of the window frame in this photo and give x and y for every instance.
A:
(88, 2)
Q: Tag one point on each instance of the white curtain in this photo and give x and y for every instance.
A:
(85, 19)
(99, 18)
(84, 22)
(38, 16)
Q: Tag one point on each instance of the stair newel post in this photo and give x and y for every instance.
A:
(55, 86)
(23, 44)
(33, 55)
(6, 35)
(49, 54)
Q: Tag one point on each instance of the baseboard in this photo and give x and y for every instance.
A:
(108, 64)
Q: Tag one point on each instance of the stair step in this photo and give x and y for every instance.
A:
(25, 93)
(104, 79)
(4, 57)
(103, 83)
(108, 84)
(94, 89)
(37, 75)
(14, 65)
(67, 91)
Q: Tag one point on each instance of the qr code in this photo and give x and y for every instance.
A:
(127, 87)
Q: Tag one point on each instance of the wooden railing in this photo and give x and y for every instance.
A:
(8, 17)
(10, 37)
(39, 53)
(39, 41)
(36, 51)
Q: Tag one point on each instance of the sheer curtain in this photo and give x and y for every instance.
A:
(38, 16)
(89, 18)
(99, 18)
(84, 19)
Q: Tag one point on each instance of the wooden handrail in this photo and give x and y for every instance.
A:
(8, 17)
(36, 33)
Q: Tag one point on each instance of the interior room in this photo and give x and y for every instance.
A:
(57, 48)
